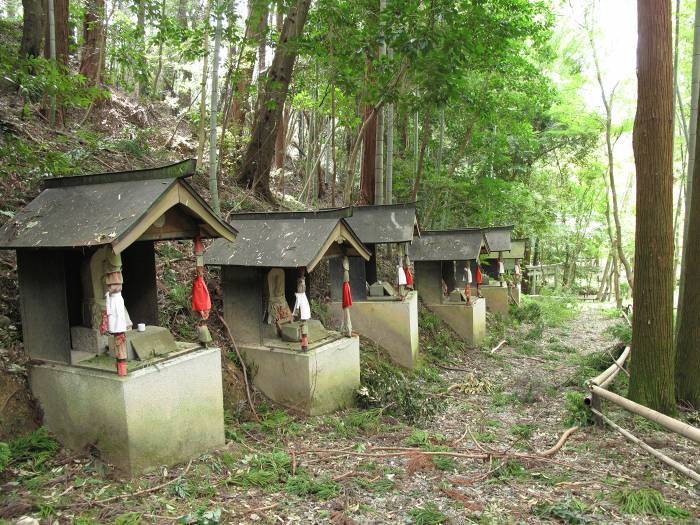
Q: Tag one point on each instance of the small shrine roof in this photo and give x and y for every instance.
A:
(113, 208)
(447, 245)
(287, 239)
(498, 238)
(384, 223)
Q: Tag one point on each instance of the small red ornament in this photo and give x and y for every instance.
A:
(478, 274)
(409, 276)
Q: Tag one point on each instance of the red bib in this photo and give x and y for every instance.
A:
(347, 296)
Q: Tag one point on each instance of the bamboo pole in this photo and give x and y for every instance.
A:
(658, 455)
(605, 378)
(671, 424)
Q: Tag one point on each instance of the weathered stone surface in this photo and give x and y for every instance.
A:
(158, 415)
(468, 321)
(292, 331)
(319, 381)
(391, 324)
(496, 298)
(84, 339)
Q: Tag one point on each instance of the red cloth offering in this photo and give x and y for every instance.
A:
(201, 302)
(478, 274)
(409, 276)
(347, 296)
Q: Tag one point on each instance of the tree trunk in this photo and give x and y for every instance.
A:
(604, 279)
(159, 68)
(255, 168)
(652, 368)
(389, 174)
(214, 112)
(60, 8)
(141, 35)
(369, 158)
(93, 32)
(692, 134)
(201, 131)
(257, 16)
(32, 27)
(421, 155)
(688, 336)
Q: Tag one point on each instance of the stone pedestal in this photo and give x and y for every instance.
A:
(161, 414)
(392, 324)
(496, 298)
(319, 381)
(468, 321)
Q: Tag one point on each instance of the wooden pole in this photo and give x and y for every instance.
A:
(605, 378)
(671, 424)
(659, 455)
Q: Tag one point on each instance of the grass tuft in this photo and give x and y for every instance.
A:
(647, 501)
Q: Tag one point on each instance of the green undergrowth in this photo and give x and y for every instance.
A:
(409, 395)
(428, 514)
(577, 413)
(273, 471)
(647, 501)
(31, 452)
(571, 510)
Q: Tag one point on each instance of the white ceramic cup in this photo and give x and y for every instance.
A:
(141, 327)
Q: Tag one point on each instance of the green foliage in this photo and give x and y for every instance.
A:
(356, 422)
(128, 518)
(35, 448)
(263, 470)
(577, 413)
(622, 331)
(428, 514)
(523, 430)
(5, 456)
(37, 77)
(510, 469)
(647, 501)
(202, 517)
(376, 486)
(401, 393)
(571, 511)
(303, 485)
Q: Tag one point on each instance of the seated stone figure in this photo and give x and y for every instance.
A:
(279, 315)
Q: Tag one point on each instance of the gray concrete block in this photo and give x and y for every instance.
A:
(391, 324)
(468, 321)
(159, 415)
(319, 381)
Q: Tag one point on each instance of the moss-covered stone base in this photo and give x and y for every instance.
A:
(393, 325)
(319, 381)
(159, 415)
(468, 321)
(496, 298)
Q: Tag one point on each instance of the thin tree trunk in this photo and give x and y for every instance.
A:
(334, 178)
(604, 279)
(141, 35)
(201, 131)
(389, 175)
(692, 134)
(156, 78)
(608, 104)
(214, 112)
(421, 155)
(257, 160)
(652, 369)
(61, 10)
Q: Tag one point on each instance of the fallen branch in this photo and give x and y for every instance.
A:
(243, 366)
(551, 451)
(498, 346)
(658, 455)
(142, 492)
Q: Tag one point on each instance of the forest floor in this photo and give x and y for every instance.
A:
(496, 412)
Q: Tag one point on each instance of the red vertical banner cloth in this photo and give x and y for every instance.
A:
(201, 301)
(347, 295)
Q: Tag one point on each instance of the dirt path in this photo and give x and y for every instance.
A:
(500, 408)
